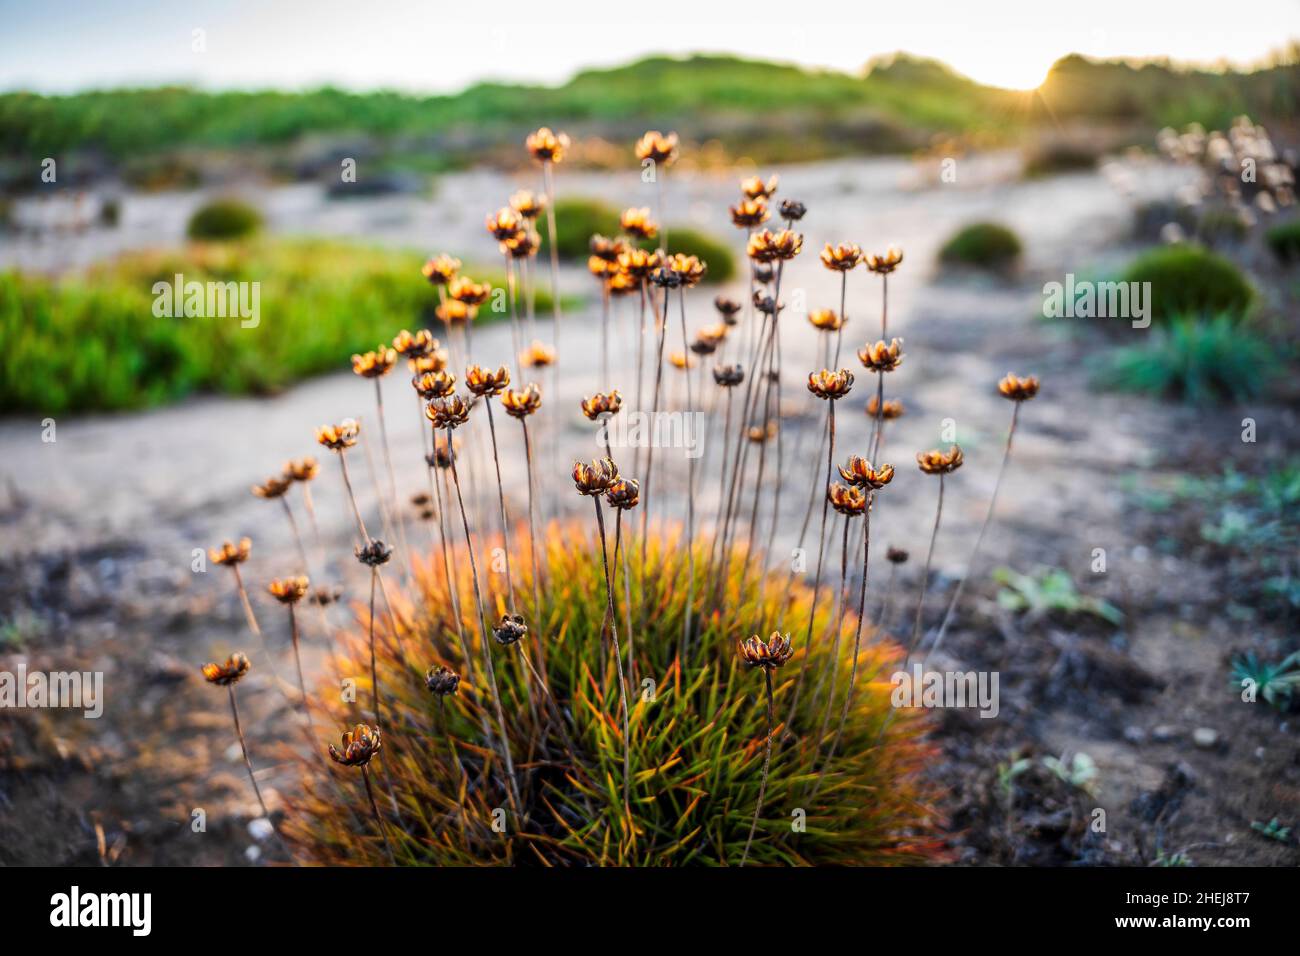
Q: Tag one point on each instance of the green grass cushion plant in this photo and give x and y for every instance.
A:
(982, 245)
(224, 219)
(696, 733)
(1188, 279)
(1284, 240)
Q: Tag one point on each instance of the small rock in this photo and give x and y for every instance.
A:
(1259, 753)
(1134, 734)
(1164, 732)
(260, 829)
(1205, 737)
(253, 853)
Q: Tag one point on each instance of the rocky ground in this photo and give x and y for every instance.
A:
(99, 530)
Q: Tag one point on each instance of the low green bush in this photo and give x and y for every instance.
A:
(93, 341)
(224, 219)
(982, 245)
(1060, 156)
(1190, 280)
(1196, 360)
(1284, 240)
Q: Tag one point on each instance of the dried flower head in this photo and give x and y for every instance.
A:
(792, 210)
(600, 268)
(763, 273)
(374, 554)
(728, 376)
(769, 246)
(511, 630)
(537, 355)
(415, 345)
(449, 412)
(1018, 389)
(504, 223)
(755, 188)
(302, 469)
(442, 455)
(896, 555)
(704, 345)
(620, 283)
(892, 409)
(595, 478)
(886, 263)
(879, 357)
(624, 494)
(772, 653)
(842, 257)
(466, 290)
(522, 402)
(727, 308)
(528, 204)
(434, 384)
(433, 361)
(827, 320)
(606, 249)
(326, 594)
(289, 590)
(340, 436)
(862, 474)
(359, 745)
(690, 268)
(758, 434)
(639, 263)
(765, 303)
(454, 312)
(637, 222)
(547, 147)
(235, 667)
(230, 553)
(830, 385)
(522, 244)
(374, 364)
(441, 269)
(750, 213)
(442, 681)
(602, 405)
(482, 381)
(656, 147)
(847, 499)
(273, 487)
(680, 360)
(665, 278)
(936, 462)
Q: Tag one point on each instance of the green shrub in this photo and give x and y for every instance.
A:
(1188, 279)
(982, 245)
(578, 219)
(1195, 360)
(696, 733)
(1284, 240)
(1221, 224)
(224, 219)
(1060, 156)
(92, 341)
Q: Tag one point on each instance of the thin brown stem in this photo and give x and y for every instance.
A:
(767, 765)
(374, 807)
(925, 574)
(612, 617)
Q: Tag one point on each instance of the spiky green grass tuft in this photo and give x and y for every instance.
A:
(697, 733)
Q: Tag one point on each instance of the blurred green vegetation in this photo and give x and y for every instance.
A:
(1197, 360)
(578, 218)
(1284, 240)
(224, 219)
(775, 111)
(982, 245)
(1188, 279)
(93, 342)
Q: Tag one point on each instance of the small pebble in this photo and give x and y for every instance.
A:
(1204, 737)
(253, 854)
(1164, 732)
(260, 829)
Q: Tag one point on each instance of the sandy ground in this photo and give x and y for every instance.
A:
(101, 526)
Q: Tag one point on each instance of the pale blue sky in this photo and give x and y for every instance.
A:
(437, 46)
